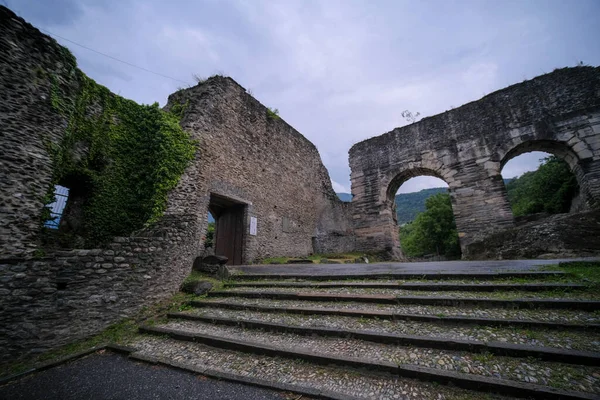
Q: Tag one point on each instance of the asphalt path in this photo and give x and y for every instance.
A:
(398, 267)
(109, 376)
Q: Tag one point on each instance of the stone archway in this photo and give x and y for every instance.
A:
(398, 178)
(467, 147)
(563, 150)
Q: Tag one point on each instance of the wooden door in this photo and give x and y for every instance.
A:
(230, 228)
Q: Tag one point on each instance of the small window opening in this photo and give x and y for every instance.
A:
(57, 207)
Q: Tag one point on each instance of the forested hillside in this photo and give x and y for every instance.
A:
(550, 189)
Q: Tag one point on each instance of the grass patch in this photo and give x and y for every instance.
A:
(196, 276)
(483, 358)
(585, 271)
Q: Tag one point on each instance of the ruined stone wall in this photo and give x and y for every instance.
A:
(28, 124)
(67, 295)
(48, 297)
(556, 236)
(467, 147)
(258, 159)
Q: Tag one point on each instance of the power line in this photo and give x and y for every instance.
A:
(114, 58)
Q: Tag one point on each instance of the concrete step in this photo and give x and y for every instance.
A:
(400, 275)
(573, 304)
(568, 356)
(447, 367)
(478, 287)
(429, 315)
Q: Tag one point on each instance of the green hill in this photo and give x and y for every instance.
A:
(345, 197)
(408, 205)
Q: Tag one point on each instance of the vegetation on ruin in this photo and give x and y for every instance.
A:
(272, 113)
(120, 157)
(433, 231)
(549, 189)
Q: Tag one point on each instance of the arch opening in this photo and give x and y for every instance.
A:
(423, 212)
(541, 178)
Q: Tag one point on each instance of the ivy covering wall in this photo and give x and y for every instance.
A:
(121, 158)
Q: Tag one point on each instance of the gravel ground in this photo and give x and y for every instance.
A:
(566, 316)
(362, 384)
(505, 295)
(538, 337)
(573, 377)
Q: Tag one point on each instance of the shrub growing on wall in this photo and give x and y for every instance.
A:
(124, 156)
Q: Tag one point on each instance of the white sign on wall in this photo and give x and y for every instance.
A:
(253, 223)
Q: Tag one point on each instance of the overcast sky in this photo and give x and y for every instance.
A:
(338, 71)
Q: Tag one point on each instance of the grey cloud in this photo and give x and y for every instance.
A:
(338, 71)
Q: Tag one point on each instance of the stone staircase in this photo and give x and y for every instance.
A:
(457, 336)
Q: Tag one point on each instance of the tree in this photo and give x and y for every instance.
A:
(409, 116)
(550, 189)
(210, 234)
(433, 231)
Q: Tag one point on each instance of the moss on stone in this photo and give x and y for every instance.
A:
(122, 157)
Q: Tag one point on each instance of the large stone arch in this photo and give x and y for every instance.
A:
(392, 182)
(467, 147)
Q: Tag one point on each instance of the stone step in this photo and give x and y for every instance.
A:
(400, 276)
(573, 304)
(293, 375)
(496, 348)
(383, 358)
(431, 317)
(478, 287)
(543, 315)
(513, 294)
(586, 340)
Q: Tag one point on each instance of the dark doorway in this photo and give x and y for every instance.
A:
(229, 228)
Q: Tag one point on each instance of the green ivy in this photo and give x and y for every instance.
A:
(126, 157)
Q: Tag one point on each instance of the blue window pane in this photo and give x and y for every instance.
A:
(61, 194)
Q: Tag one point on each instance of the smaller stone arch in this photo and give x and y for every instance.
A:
(563, 150)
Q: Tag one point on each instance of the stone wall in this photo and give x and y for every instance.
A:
(49, 298)
(556, 236)
(68, 295)
(468, 146)
(256, 158)
(28, 124)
